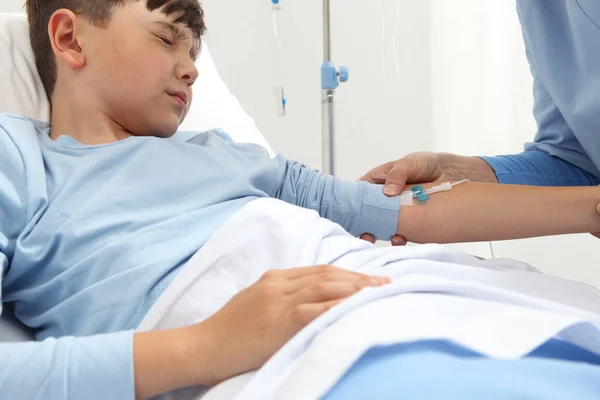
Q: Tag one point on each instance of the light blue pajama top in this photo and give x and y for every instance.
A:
(90, 236)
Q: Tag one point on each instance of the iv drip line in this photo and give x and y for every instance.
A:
(279, 88)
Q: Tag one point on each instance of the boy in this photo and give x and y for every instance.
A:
(100, 210)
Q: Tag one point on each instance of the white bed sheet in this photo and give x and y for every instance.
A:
(502, 310)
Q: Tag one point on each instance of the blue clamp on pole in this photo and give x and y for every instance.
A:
(331, 77)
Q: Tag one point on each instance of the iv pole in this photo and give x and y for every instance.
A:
(330, 79)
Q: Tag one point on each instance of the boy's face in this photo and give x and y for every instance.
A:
(142, 69)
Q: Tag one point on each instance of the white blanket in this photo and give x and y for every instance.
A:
(501, 309)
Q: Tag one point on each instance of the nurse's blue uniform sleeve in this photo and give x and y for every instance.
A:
(359, 207)
(539, 168)
(555, 157)
(99, 367)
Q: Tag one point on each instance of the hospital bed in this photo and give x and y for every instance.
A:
(21, 92)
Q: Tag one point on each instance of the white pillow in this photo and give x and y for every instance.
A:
(21, 90)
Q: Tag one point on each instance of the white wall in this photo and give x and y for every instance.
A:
(240, 37)
(368, 113)
(384, 111)
(482, 97)
(12, 5)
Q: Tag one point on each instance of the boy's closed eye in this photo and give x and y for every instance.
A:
(166, 40)
(175, 36)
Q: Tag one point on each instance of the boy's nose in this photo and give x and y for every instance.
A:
(189, 73)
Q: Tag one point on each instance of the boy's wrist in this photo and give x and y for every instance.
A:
(172, 359)
(198, 355)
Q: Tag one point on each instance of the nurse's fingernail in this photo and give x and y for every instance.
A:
(390, 190)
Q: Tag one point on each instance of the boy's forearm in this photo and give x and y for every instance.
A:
(480, 212)
(171, 359)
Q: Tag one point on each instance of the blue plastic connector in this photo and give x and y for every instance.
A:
(419, 193)
(423, 197)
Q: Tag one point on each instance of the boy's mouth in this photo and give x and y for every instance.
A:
(180, 97)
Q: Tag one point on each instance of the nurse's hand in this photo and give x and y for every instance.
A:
(426, 167)
(256, 322)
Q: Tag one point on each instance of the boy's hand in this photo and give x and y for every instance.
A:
(256, 322)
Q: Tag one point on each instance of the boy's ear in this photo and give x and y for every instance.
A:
(63, 32)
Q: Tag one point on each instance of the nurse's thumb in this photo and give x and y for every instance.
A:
(395, 181)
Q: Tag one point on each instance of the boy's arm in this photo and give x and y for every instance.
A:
(483, 212)
(98, 367)
(470, 212)
(359, 207)
(119, 366)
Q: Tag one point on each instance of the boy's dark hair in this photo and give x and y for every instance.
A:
(98, 12)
